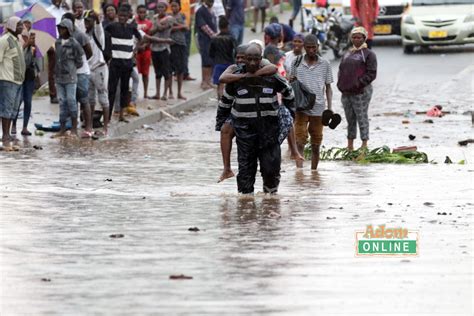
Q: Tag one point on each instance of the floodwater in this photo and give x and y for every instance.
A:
(289, 254)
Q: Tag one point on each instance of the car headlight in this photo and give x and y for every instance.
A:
(469, 18)
(407, 19)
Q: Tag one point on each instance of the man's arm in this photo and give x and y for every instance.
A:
(87, 50)
(225, 106)
(267, 70)
(329, 95)
(159, 40)
(229, 75)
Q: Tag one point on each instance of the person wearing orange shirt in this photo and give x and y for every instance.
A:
(365, 12)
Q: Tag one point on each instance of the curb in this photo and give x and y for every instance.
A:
(157, 115)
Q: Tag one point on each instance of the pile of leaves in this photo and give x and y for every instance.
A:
(364, 155)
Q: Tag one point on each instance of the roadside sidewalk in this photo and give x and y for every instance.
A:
(151, 111)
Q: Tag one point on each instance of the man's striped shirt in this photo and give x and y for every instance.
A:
(315, 78)
(122, 39)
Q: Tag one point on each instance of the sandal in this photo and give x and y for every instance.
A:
(335, 121)
(327, 115)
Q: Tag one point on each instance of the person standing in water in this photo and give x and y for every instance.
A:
(253, 106)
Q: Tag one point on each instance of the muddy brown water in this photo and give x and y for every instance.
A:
(291, 254)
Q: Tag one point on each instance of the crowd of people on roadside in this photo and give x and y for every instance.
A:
(94, 58)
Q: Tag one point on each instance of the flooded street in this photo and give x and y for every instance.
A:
(291, 254)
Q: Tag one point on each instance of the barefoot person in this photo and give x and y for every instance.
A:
(316, 74)
(357, 70)
(232, 74)
(69, 59)
(253, 107)
(12, 75)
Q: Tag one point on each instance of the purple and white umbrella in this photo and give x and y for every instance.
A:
(43, 24)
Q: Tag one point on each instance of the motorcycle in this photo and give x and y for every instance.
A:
(339, 29)
(331, 28)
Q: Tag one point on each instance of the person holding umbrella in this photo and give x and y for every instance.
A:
(12, 74)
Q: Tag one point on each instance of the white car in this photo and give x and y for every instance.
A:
(438, 22)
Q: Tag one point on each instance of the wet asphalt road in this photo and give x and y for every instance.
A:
(288, 255)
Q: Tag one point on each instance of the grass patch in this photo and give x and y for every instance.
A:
(364, 155)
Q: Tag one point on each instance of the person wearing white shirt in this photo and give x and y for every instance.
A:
(57, 11)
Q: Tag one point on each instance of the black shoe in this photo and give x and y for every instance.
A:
(54, 100)
(335, 120)
(327, 114)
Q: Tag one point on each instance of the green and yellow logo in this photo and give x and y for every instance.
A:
(382, 241)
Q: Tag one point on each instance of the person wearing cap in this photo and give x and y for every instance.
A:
(99, 77)
(12, 74)
(69, 58)
(365, 13)
(315, 74)
(357, 70)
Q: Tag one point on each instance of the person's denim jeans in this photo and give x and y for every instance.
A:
(27, 97)
(67, 101)
(237, 32)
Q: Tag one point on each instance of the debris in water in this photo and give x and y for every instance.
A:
(193, 229)
(180, 277)
(448, 160)
(117, 236)
(411, 137)
(465, 142)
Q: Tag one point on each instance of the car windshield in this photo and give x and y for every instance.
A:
(440, 2)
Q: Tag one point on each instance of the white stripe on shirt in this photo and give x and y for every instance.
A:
(118, 54)
(122, 41)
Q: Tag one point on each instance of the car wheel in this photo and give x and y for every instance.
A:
(408, 49)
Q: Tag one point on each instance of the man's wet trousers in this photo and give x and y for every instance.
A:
(249, 155)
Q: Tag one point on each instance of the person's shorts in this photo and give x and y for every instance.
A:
(178, 59)
(312, 124)
(161, 64)
(143, 62)
(82, 92)
(10, 95)
(217, 72)
(261, 4)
